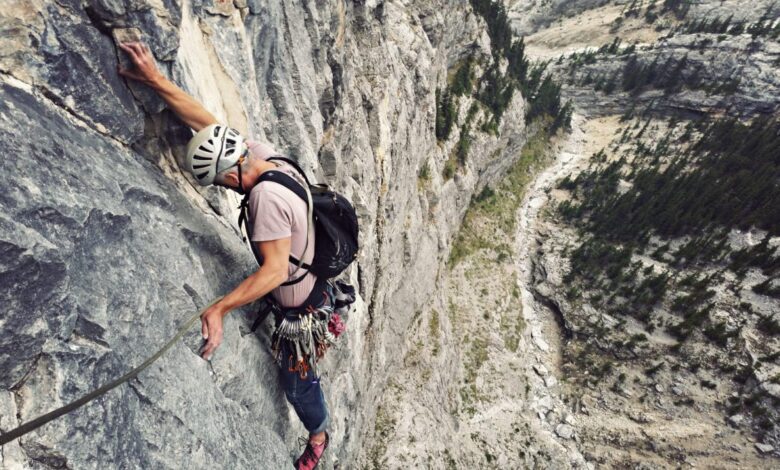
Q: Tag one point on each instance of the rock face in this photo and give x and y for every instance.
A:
(732, 72)
(529, 16)
(106, 247)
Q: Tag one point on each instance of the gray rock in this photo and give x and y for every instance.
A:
(564, 431)
(81, 230)
(541, 370)
(529, 18)
(639, 417)
(540, 342)
(764, 448)
(588, 401)
(550, 381)
(757, 92)
(545, 403)
(736, 420)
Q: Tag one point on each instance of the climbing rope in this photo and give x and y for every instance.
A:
(5, 438)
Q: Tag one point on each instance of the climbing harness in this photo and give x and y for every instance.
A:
(307, 335)
(29, 426)
(308, 332)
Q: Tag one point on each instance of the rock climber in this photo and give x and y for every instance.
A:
(219, 155)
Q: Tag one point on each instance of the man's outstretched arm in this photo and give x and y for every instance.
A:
(185, 106)
(271, 274)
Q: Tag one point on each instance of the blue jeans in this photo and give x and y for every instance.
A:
(305, 395)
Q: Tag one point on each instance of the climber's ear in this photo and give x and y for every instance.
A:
(230, 179)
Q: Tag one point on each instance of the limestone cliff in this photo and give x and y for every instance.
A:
(107, 246)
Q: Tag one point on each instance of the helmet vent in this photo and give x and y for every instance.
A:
(198, 157)
(216, 131)
(197, 167)
(202, 175)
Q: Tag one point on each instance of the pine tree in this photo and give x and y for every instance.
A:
(517, 66)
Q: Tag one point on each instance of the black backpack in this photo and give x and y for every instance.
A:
(334, 221)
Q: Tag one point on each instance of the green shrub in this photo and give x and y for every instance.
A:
(446, 114)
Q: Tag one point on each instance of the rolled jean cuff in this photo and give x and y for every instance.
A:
(322, 426)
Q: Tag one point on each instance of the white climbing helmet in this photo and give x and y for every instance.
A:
(212, 150)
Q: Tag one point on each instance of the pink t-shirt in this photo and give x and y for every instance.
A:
(276, 212)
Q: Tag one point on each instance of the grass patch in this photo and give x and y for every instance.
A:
(450, 167)
(383, 431)
(433, 327)
(413, 356)
(424, 176)
(476, 356)
(490, 219)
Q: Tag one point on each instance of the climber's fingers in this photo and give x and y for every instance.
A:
(141, 53)
(145, 69)
(141, 57)
(211, 328)
(215, 339)
(125, 46)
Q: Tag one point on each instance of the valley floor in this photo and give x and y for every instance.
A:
(643, 420)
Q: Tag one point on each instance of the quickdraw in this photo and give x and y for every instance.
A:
(309, 333)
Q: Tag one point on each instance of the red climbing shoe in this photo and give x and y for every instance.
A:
(311, 455)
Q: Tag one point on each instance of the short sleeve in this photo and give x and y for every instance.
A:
(271, 215)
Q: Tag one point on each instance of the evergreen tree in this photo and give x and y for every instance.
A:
(463, 81)
(445, 114)
(517, 66)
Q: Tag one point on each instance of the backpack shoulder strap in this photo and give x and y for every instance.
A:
(293, 164)
(243, 219)
(285, 180)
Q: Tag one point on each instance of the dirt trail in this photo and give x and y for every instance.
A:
(544, 334)
(587, 136)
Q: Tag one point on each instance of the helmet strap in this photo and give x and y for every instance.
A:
(240, 189)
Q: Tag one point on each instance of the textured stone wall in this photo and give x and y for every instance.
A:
(106, 247)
